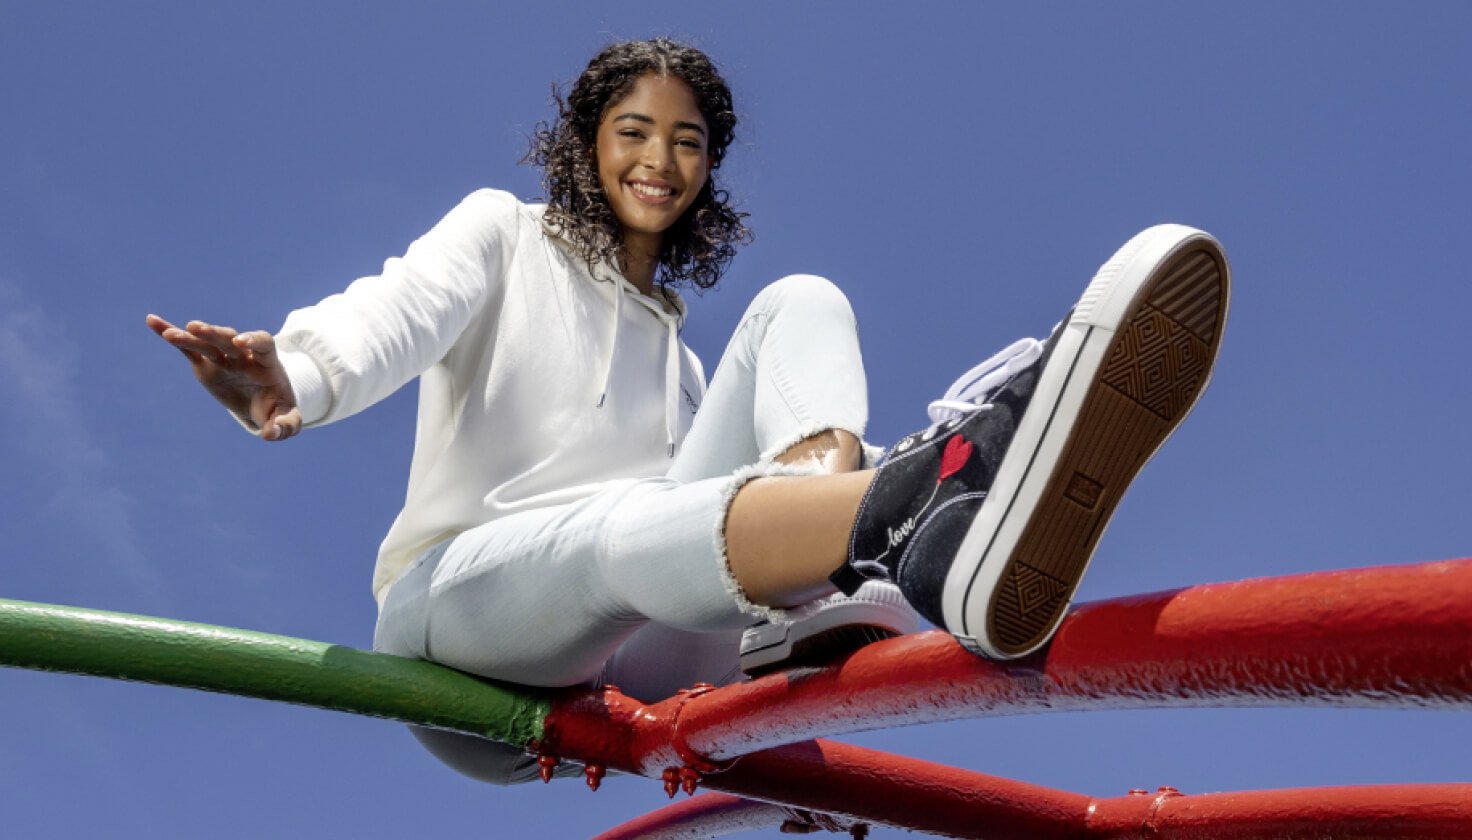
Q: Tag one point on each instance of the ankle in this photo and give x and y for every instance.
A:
(785, 535)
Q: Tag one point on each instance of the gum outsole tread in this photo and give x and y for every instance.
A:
(1153, 371)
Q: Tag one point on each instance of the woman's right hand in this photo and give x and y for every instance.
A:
(241, 370)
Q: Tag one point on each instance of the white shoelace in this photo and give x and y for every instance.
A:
(975, 387)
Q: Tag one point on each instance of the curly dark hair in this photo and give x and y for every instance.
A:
(700, 244)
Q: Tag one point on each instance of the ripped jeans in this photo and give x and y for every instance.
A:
(631, 586)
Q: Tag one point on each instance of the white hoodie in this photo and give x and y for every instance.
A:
(539, 381)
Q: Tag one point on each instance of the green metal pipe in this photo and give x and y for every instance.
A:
(45, 637)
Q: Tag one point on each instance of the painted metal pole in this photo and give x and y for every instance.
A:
(872, 787)
(1397, 636)
(1384, 637)
(1428, 812)
(703, 816)
(180, 653)
(1381, 637)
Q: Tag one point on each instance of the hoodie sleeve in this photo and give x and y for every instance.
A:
(357, 347)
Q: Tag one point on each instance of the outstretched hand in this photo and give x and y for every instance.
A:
(241, 370)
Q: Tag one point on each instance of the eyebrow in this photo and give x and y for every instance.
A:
(650, 120)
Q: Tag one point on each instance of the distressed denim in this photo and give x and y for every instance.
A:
(630, 586)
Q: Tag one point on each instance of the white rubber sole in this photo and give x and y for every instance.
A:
(1128, 366)
(829, 628)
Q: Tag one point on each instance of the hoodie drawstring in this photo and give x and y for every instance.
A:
(671, 385)
(671, 362)
(618, 299)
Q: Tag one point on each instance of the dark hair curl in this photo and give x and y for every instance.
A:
(701, 243)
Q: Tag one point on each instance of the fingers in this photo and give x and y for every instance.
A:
(220, 339)
(191, 342)
(241, 370)
(257, 345)
(212, 342)
(181, 340)
(158, 324)
(285, 425)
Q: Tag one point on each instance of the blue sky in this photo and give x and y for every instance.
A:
(960, 169)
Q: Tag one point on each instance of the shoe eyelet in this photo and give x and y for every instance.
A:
(928, 434)
(905, 443)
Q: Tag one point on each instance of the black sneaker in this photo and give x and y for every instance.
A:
(987, 519)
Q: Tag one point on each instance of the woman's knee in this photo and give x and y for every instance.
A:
(808, 294)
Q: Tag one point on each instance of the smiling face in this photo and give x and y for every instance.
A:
(653, 159)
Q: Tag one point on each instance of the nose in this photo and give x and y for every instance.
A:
(657, 156)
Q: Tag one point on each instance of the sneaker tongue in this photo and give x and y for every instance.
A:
(977, 385)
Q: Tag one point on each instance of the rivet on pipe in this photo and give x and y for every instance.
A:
(546, 763)
(594, 772)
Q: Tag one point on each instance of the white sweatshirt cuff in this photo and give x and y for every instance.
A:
(313, 396)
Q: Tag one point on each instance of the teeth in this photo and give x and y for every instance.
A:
(657, 192)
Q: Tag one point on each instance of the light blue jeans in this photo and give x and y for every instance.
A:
(630, 586)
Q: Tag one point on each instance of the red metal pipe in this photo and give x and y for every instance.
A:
(1426, 812)
(1384, 637)
(706, 815)
(878, 788)
(1432, 812)
(1381, 637)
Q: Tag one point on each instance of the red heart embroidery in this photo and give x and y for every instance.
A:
(958, 449)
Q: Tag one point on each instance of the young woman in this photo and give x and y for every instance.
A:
(582, 508)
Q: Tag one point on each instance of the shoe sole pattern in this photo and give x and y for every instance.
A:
(1158, 361)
